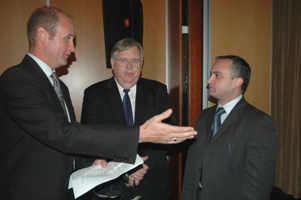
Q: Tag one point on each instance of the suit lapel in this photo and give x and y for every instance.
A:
(234, 115)
(141, 105)
(38, 73)
(116, 103)
(113, 95)
(35, 70)
(210, 122)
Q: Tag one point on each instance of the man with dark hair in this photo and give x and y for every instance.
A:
(39, 134)
(234, 155)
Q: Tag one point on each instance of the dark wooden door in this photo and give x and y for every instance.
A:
(185, 75)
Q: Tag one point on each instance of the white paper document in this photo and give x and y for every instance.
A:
(87, 178)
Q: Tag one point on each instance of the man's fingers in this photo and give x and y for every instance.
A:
(175, 138)
(180, 129)
(178, 136)
(101, 162)
(145, 167)
(153, 130)
(163, 115)
(144, 158)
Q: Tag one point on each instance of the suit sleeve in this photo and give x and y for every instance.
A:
(90, 115)
(156, 152)
(261, 155)
(30, 103)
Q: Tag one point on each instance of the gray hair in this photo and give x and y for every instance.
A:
(125, 44)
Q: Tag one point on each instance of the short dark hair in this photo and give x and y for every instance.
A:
(240, 68)
(125, 44)
(46, 17)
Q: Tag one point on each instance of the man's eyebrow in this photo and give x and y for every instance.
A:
(70, 35)
(215, 72)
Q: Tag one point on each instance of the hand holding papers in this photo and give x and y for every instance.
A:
(86, 179)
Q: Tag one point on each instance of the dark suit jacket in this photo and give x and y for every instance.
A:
(37, 143)
(238, 163)
(103, 105)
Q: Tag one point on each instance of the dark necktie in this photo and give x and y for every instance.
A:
(217, 121)
(127, 107)
(58, 90)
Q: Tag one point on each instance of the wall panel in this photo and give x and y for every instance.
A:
(154, 41)
(13, 19)
(243, 28)
(88, 65)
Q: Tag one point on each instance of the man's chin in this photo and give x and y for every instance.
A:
(210, 92)
(64, 62)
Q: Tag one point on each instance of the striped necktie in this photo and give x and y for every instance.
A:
(58, 90)
(217, 121)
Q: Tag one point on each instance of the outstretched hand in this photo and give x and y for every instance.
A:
(153, 130)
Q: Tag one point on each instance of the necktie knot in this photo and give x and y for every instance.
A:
(54, 76)
(220, 111)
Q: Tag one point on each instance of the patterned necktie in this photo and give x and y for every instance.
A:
(217, 121)
(58, 90)
(127, 108)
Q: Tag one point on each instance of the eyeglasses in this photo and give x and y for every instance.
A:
(123, 62)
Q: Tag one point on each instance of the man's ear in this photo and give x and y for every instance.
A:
(42, 35)
(238, 82)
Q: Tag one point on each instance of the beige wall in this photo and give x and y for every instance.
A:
(238, 27)
(243, 28)
(13, 41)
(89, 65)
(90, 52)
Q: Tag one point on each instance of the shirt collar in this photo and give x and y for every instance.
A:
(45, 68)
(132, 89)
(230, 105)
